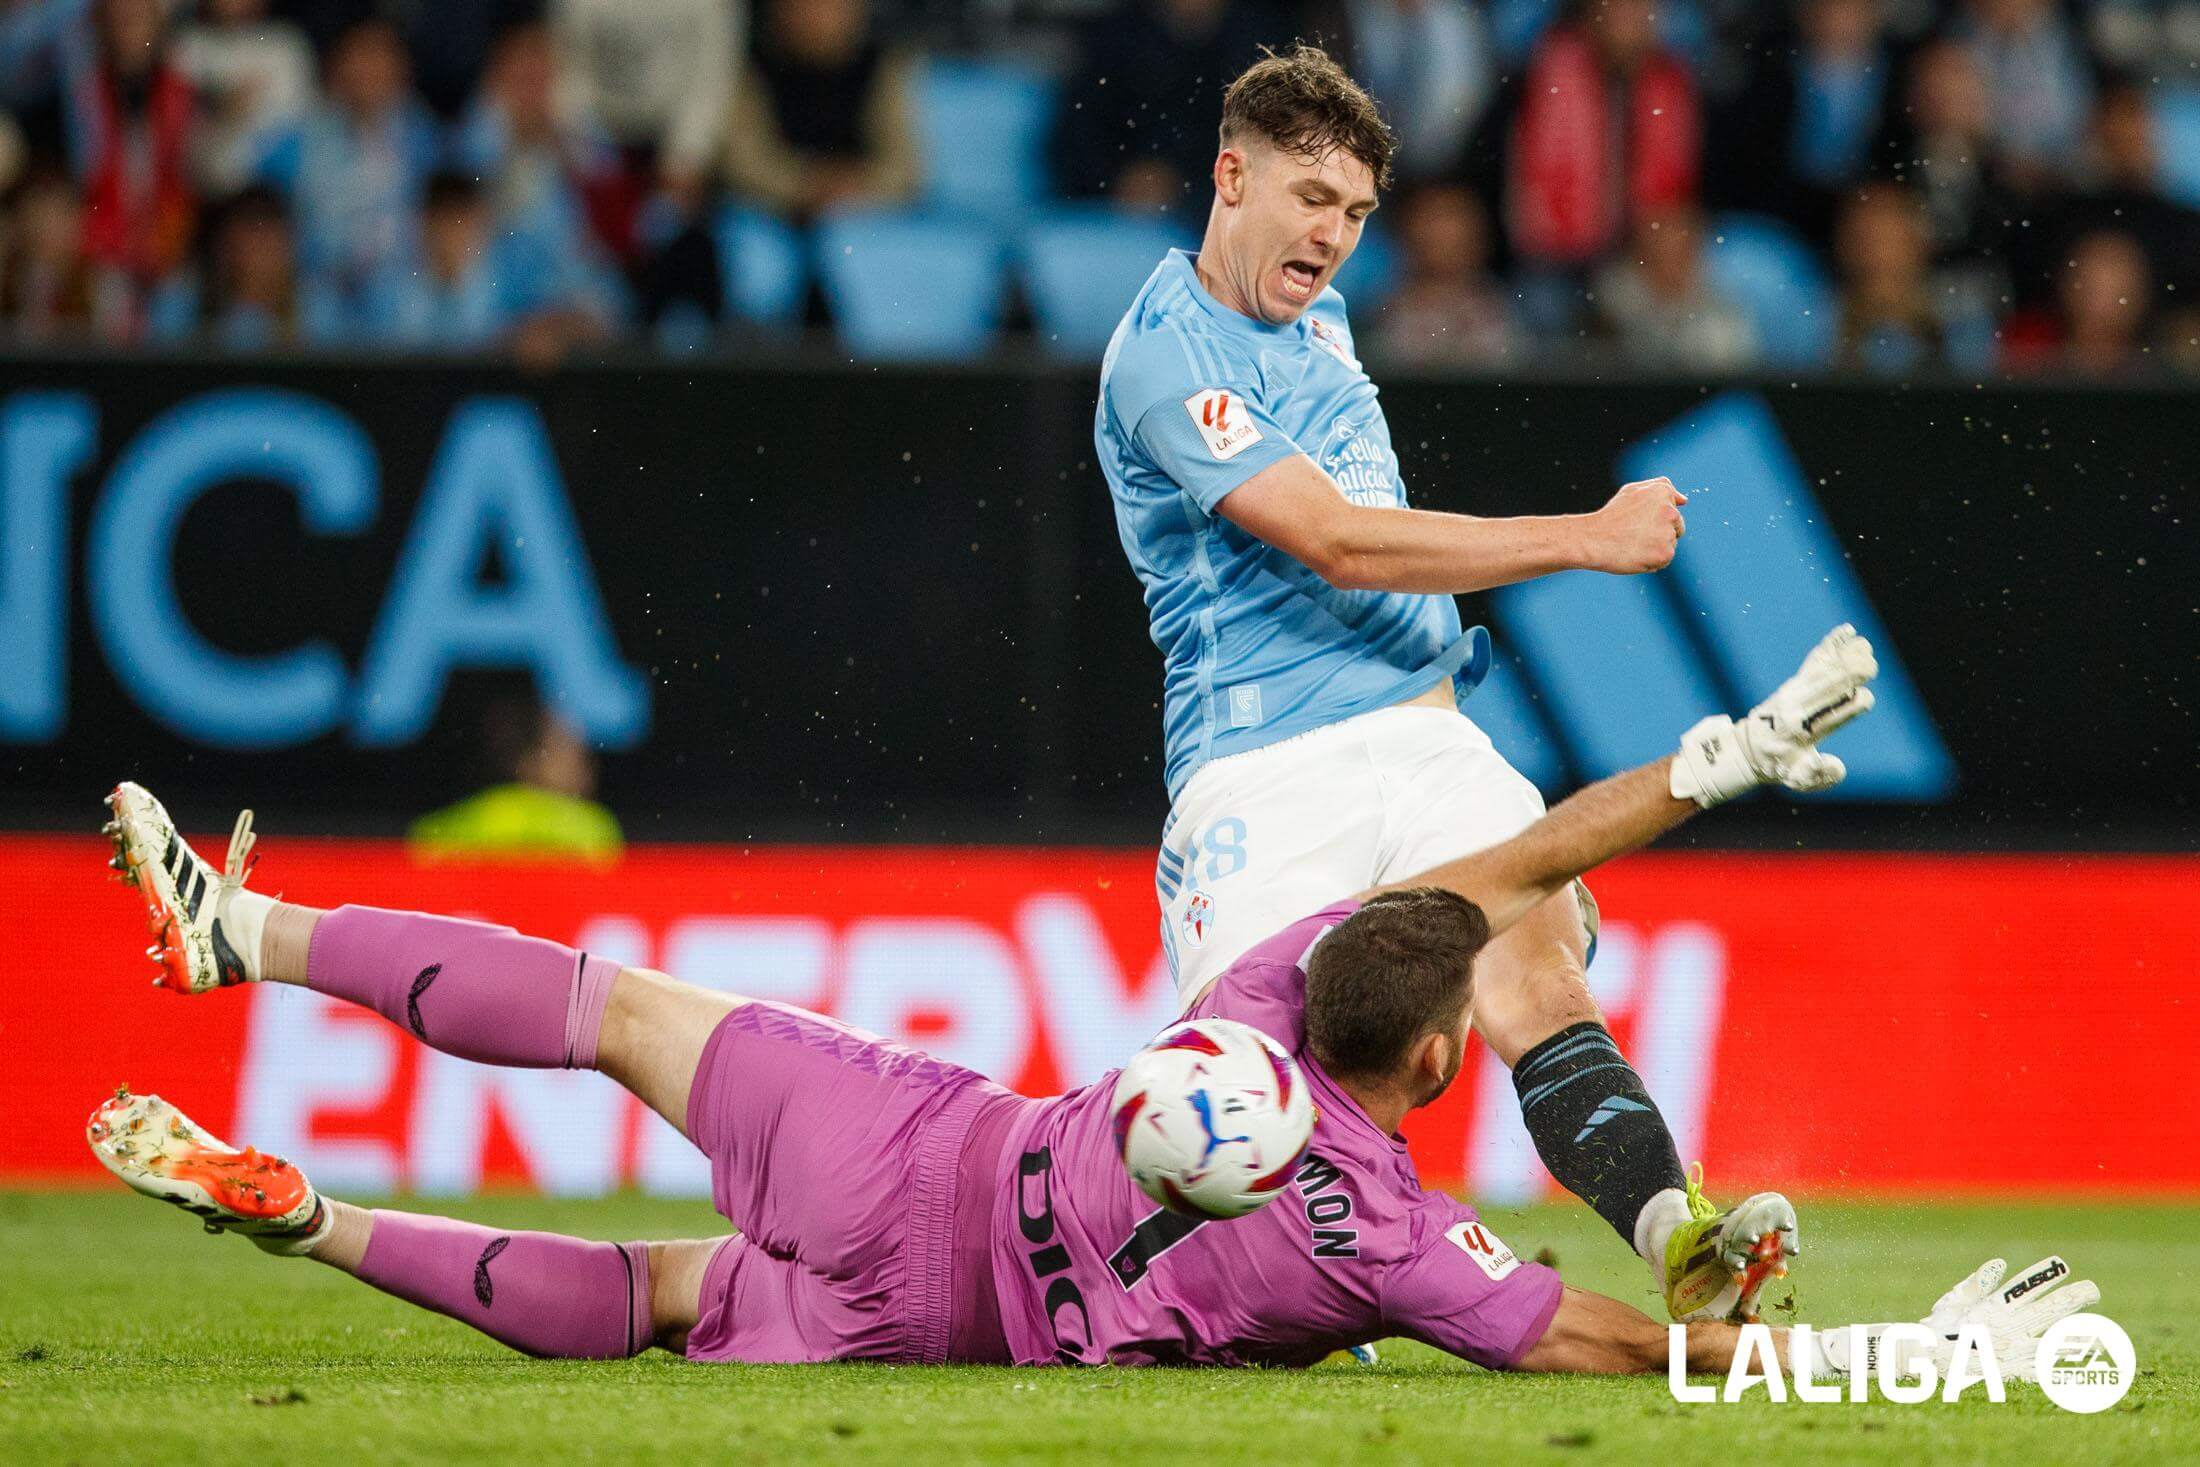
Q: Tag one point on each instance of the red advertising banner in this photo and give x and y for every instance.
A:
(1947, 1023)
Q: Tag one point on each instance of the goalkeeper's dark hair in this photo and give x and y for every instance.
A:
(1400, 967)
(1303, 102)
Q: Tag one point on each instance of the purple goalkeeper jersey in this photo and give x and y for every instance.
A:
(1088, 1270)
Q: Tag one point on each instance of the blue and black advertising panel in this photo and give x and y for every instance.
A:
(829, 603)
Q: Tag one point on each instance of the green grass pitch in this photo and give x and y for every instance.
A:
(127, 1336)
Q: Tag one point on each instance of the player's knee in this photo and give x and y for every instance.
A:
(647, 985)
(645, 1003)
(1516, 1021)
(1527, 990)
(676, 1270)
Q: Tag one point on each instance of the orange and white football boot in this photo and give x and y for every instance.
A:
(205, 925)
(156, 1150)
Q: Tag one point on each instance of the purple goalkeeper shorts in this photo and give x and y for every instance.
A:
(837, 1154)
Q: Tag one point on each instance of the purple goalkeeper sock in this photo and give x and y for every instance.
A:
(480, 992)
(548, 1295)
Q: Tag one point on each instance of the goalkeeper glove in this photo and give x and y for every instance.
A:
(2012, 1315)
(1778, 742)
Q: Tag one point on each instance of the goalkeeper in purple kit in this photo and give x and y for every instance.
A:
(891, 1206)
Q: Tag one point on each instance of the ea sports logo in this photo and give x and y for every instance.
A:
(2086, 1363)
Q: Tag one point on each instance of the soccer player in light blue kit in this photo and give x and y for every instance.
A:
(1315, 664)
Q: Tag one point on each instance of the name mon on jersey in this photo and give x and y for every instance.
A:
(1327, 1205)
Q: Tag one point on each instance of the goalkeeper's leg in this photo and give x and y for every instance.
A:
(778, 1099)
(544, 1294)
(470, 989)
(767, 1092)
(541, 1293)
(495, 996)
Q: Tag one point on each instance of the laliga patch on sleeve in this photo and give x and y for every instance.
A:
(1224, 421)
(1486, 1249)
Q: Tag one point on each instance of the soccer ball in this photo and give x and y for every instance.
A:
(1212, 1118)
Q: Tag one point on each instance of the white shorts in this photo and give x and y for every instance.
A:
(1258, 840)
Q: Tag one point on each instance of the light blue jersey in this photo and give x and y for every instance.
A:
(1195, 399)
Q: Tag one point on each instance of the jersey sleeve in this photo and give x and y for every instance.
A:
(1266, 988)
(1194, 414)
(1464, 1291)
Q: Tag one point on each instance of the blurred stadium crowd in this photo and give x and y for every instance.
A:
(1884, 186)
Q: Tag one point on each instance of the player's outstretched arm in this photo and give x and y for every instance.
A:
(1296, 507)
(1593, 1334)
(1719, 758)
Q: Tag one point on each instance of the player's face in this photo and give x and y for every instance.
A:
(1293, 222)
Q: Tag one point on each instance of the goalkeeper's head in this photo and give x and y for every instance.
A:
(1389, 988)
(1304, 153)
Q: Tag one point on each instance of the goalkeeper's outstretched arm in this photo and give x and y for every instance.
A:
(1718, 759)
(1609, 818)
(1593, 1334)
(1597, 1335)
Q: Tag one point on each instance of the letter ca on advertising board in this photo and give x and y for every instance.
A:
(493, 482)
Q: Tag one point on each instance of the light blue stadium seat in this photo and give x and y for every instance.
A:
(1765, 268)
(2177, 142)
(911, 285)
(1083, 265)
(1516, 25)
(1683, 28)
(760, 260)
(983, 127)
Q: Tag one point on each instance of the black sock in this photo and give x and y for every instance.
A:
(1594, 1125)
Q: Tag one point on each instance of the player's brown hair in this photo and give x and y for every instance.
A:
(1302, 102)
(1400, 967)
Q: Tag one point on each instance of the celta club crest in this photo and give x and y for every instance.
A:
(1197, 919)
(1328, 338)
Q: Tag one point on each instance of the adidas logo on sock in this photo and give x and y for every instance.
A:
(1607, 1109)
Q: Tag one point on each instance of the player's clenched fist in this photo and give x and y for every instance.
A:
(1638, 529)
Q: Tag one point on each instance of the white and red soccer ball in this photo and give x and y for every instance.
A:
(1212, 1118)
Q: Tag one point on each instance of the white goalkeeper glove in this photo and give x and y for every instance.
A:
(2013, 1315)
(1778, 742)
(2016, 1313)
